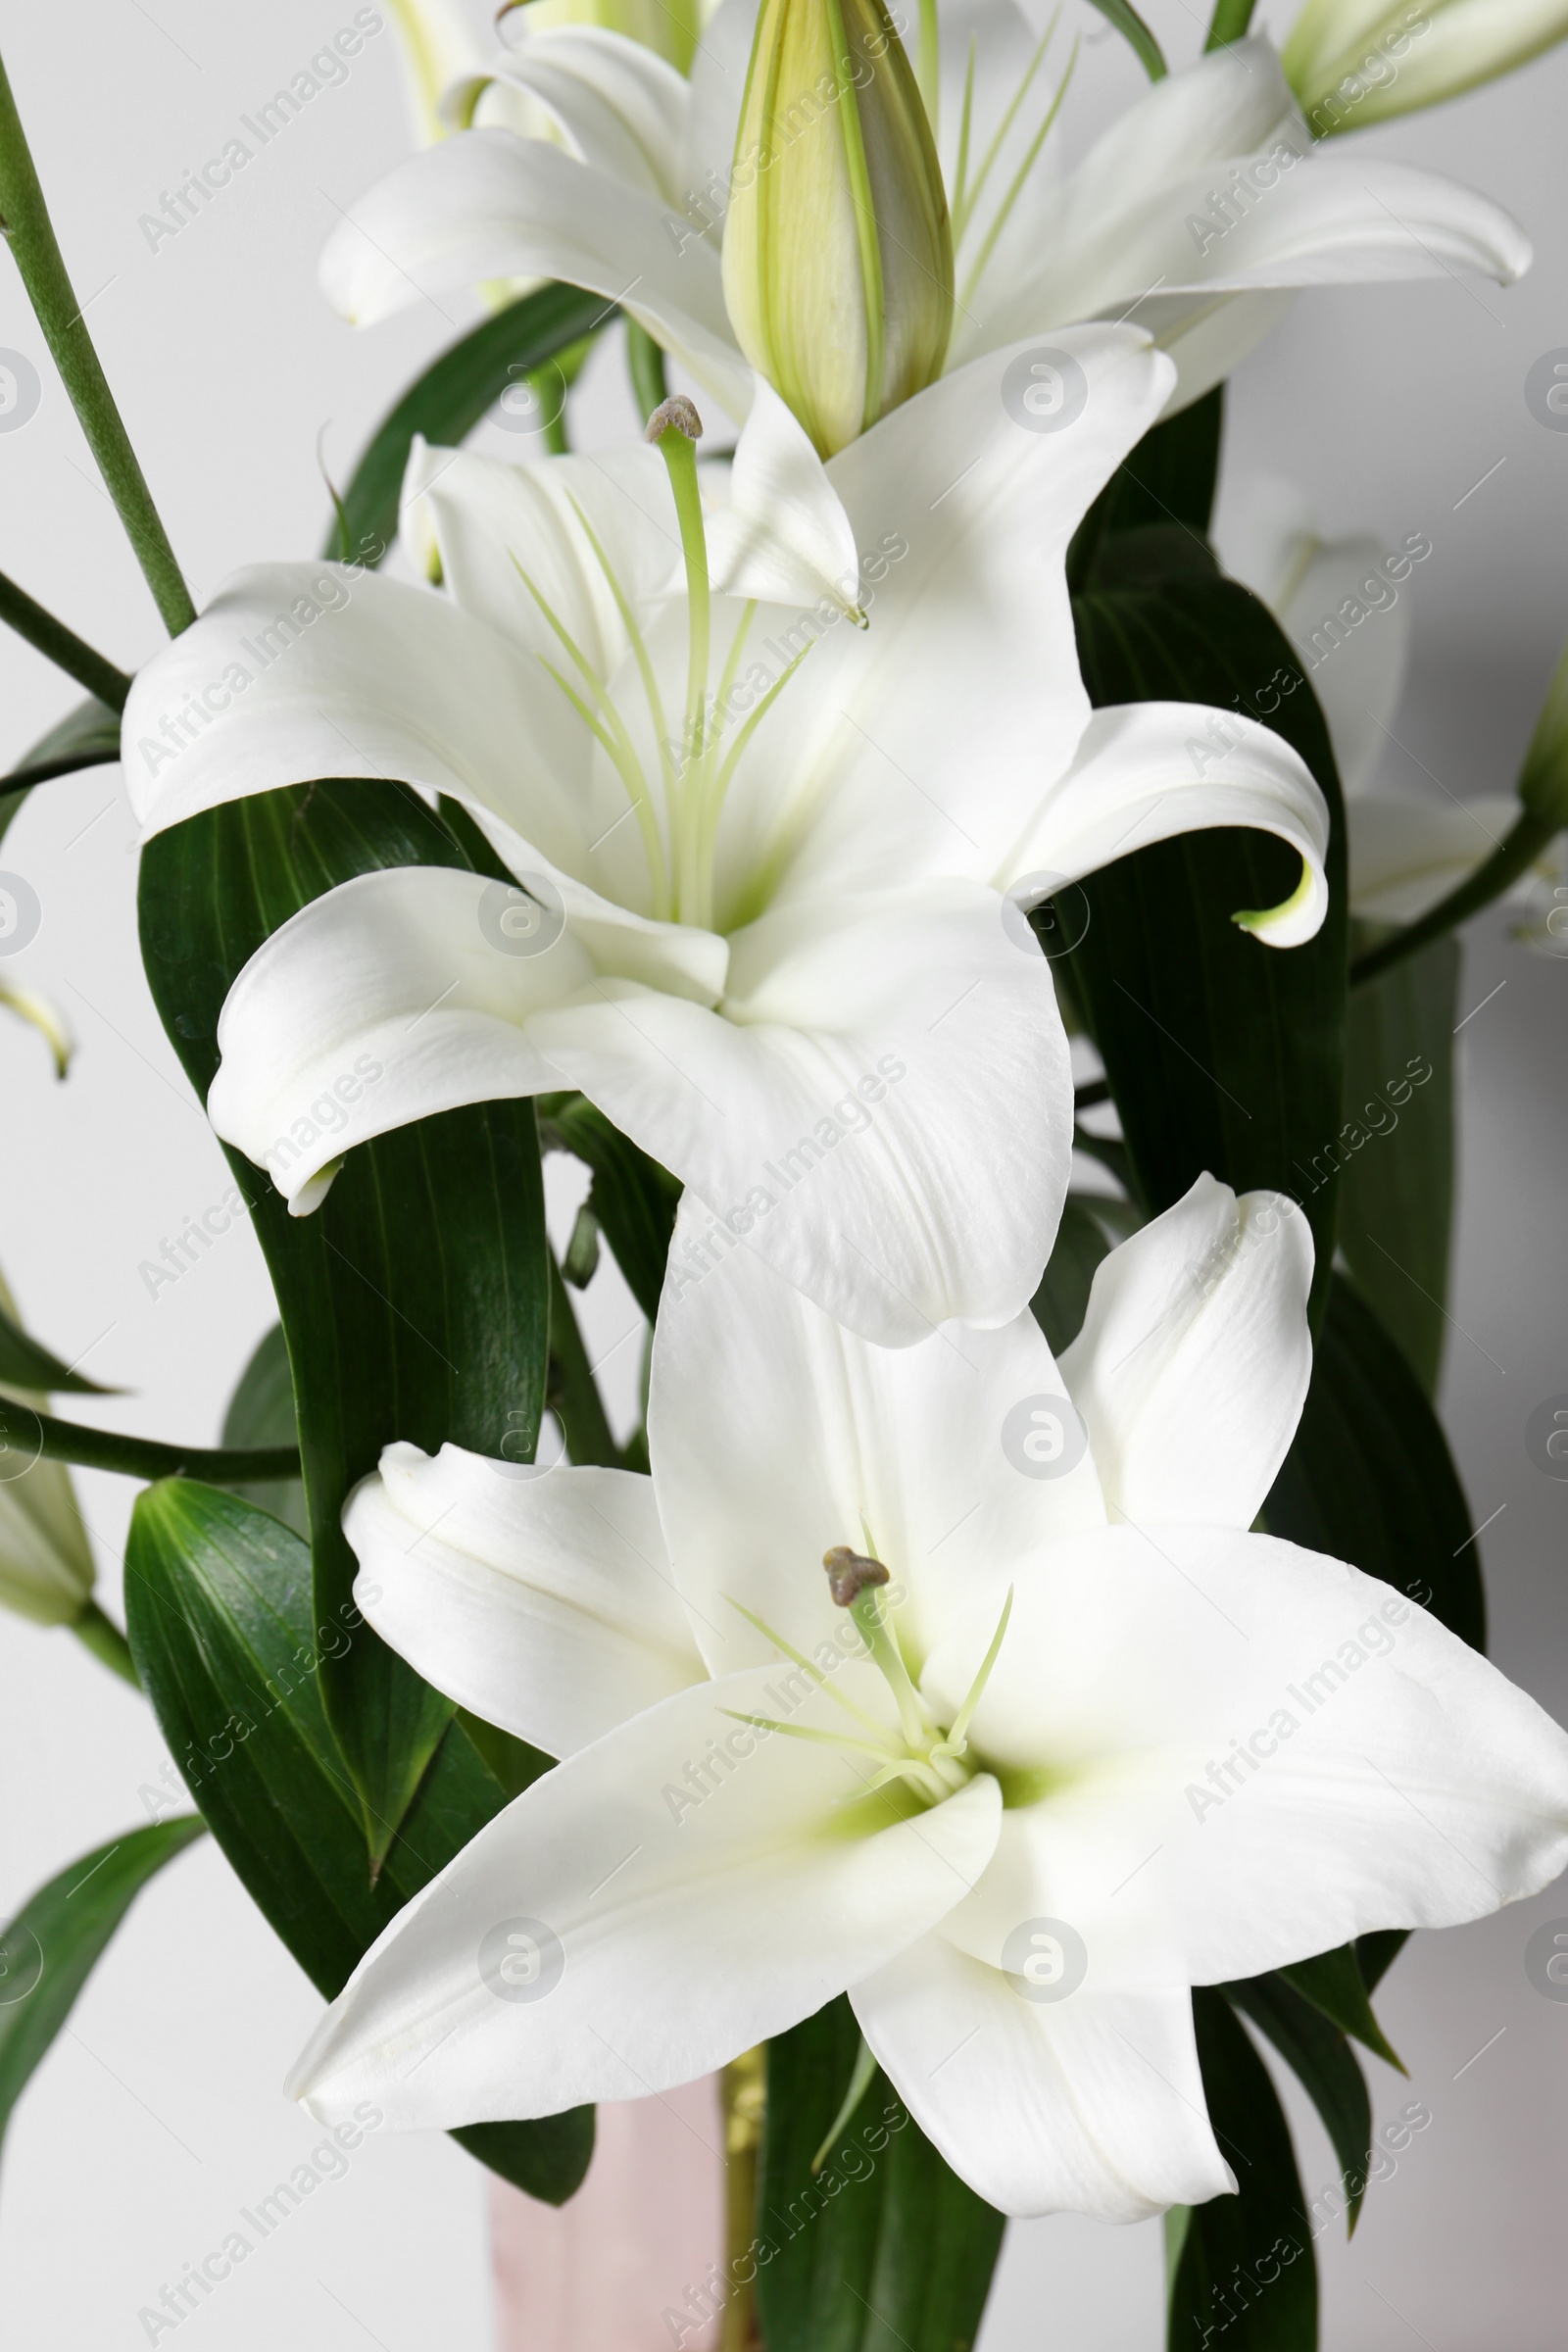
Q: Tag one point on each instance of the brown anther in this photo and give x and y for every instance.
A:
(676, 411)
(848, 1573)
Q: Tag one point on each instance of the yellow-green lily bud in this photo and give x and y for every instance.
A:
(838, 256)
(1351, 62)
(46, 1564)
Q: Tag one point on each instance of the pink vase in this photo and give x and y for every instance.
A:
(630, 2263)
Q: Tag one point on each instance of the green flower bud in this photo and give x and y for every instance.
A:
(838, 256)
(46, 1564)
(1354, 61)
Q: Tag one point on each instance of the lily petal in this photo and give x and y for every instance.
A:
(1247, 1754)
(621, 108)
(766, 1414)
(784, 536)
(539, 1599)
(665, 1932)
(1408, 852)
(1093, 2104)
(1148, 770)
(879, 1207)
(1192, 1363)
(486, 204)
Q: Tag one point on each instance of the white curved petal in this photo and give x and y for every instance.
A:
(621, 109)
(375, 679)
(1346, 618)
(1254, 1754)
(1148, 770)
(937, 1196)
(784, 535)
(963, 515)
(776, 1434)
(1192, 1363)
(687, 1927)
(539, 1599)
(487, 204)
(495, 527)
(1407, 853)
(1093, 2104)
(396, 996)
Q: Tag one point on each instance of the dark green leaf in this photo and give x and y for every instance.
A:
(1165, 486)
(632, 1197)
(1326, 2067)
(449, 400)
(1369, 1478)
(1243, 2267)
(261, 1412)
(416, 1299)
(1222, 1054)
(218, 1611)
(25, 1364)
(1129, 24)
(1090, 1227)
(1333, 1983)
(885, 2246)
(50, 1948)
(1375, 1954)
(1397, 1156)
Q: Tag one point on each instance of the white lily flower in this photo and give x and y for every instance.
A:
(46, 1563)
(1341, 602)
(767, 848)
(1351, 62)
(1094, 1744)
(1199, 213)
(437, 43)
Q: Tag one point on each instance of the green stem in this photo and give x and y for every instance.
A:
(21, 780)
(1231, 21)
(108, 1644)
(1512, 856)
(645, 365)
(24, 220)
(65, 649)
(745, 2083)
(555, 431)
(573, 1395)
(27, 1431)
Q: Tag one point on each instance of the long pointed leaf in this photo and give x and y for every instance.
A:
(415, 1301)
(50, 1948)
(1325, 2065)
(218, 1608)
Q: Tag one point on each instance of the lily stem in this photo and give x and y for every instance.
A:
(745, 2083)
(108, 1644)
(1232, 19)
(29, 232)
(1514, 855)
(41, 1435)
(64, 648)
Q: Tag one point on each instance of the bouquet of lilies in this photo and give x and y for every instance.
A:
(1029, 1653)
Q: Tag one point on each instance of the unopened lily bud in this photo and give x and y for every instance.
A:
(1543, 778)
(46, 1564)
(838, 256)
(1351, 62)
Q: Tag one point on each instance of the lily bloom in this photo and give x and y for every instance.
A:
(1200, 214)
(763, 781)
(1052, 1741)
(1351, 62)
(1343, 604)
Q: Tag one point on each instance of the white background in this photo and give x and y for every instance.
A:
(159, 2114)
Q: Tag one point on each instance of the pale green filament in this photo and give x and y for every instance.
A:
(679, 454)
(966, 198)
(930, 1761)
(1004, 208)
